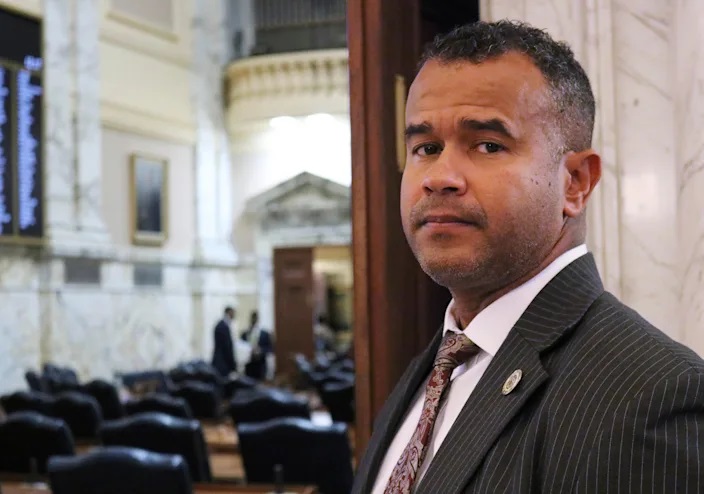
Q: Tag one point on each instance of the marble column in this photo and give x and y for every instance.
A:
(212, 159)
(213, 251)
(59, 169)
(687, 42)
(88, 188)
(646, 160)
(73, 160)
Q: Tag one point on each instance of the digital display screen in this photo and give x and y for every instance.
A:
(7, 179)
(21, 106)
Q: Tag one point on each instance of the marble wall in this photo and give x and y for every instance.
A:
(687, 41)
(646, 217)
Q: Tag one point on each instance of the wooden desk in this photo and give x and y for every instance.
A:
(226, 466)
(221, 438)
(20, 488)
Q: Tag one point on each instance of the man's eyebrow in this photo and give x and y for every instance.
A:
(418, 129)
(491, 125)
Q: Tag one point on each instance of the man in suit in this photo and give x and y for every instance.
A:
(261, 344)
(223, 350)
(539, 380)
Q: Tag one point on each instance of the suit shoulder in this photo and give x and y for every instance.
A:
(613, 324)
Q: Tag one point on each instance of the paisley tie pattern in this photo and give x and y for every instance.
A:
(454, 350)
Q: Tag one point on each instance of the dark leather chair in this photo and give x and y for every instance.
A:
(258, 405)
(309, 454)
(80, 412)
(107, 397)
(320, 379)
(28, 401)
(198, 371)
(35, 382)
(234, 384)
(60, 379)
(202, 398)
(338, 398)
(162, 434)
(161, 403)
(305, 368)
(118, 470)
(29, 437)
(151, 381)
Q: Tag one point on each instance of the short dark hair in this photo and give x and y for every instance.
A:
(569, 85)
(229, 309)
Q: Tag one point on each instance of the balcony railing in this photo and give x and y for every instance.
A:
(282, 26)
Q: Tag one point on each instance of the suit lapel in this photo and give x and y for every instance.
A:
(391, 415)
(550, 317)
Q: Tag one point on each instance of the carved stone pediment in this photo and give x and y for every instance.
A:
(305, 200)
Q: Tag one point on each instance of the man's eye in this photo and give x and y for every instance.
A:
(427, 149)
(490, 147)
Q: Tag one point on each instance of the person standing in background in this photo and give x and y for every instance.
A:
(261, 344)
(223, 350)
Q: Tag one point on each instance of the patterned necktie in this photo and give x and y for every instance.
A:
(454, 350)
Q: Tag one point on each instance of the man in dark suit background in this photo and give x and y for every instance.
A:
(539, 380)
(223, 350)
(261, 344)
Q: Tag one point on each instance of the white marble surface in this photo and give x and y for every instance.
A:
(19, 337)
(646, 161)
(99, 330)
(213, 164)
(58, 115)
(687, 44)
(88, 124)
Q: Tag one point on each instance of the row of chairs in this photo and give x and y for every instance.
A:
(334, 383)
(29, 439)
(309, 453)
(116, 470)
(83, 415)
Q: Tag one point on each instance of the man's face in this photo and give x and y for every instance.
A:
(230, 314)
(482, 193)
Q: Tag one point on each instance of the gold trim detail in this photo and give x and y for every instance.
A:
(400, 107)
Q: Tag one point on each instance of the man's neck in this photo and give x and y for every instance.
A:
(469, 303)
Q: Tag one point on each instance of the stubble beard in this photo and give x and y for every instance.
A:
(485, 267)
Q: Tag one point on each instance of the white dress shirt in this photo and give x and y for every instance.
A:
(487, 330)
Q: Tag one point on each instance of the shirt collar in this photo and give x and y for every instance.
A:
(491, 326)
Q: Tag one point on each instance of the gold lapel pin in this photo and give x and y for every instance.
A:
(512, 382)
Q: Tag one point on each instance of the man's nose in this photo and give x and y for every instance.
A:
(444, 177)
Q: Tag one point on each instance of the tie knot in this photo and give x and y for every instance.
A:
(454, 350)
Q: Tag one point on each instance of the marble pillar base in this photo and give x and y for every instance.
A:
(112, 327)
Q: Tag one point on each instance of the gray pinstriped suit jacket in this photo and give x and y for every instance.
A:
(607, 405)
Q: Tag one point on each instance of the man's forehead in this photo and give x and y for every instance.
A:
(506, 81)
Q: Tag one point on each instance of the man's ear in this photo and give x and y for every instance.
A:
(582, 172)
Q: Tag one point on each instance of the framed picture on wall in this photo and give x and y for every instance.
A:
(149, 199)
